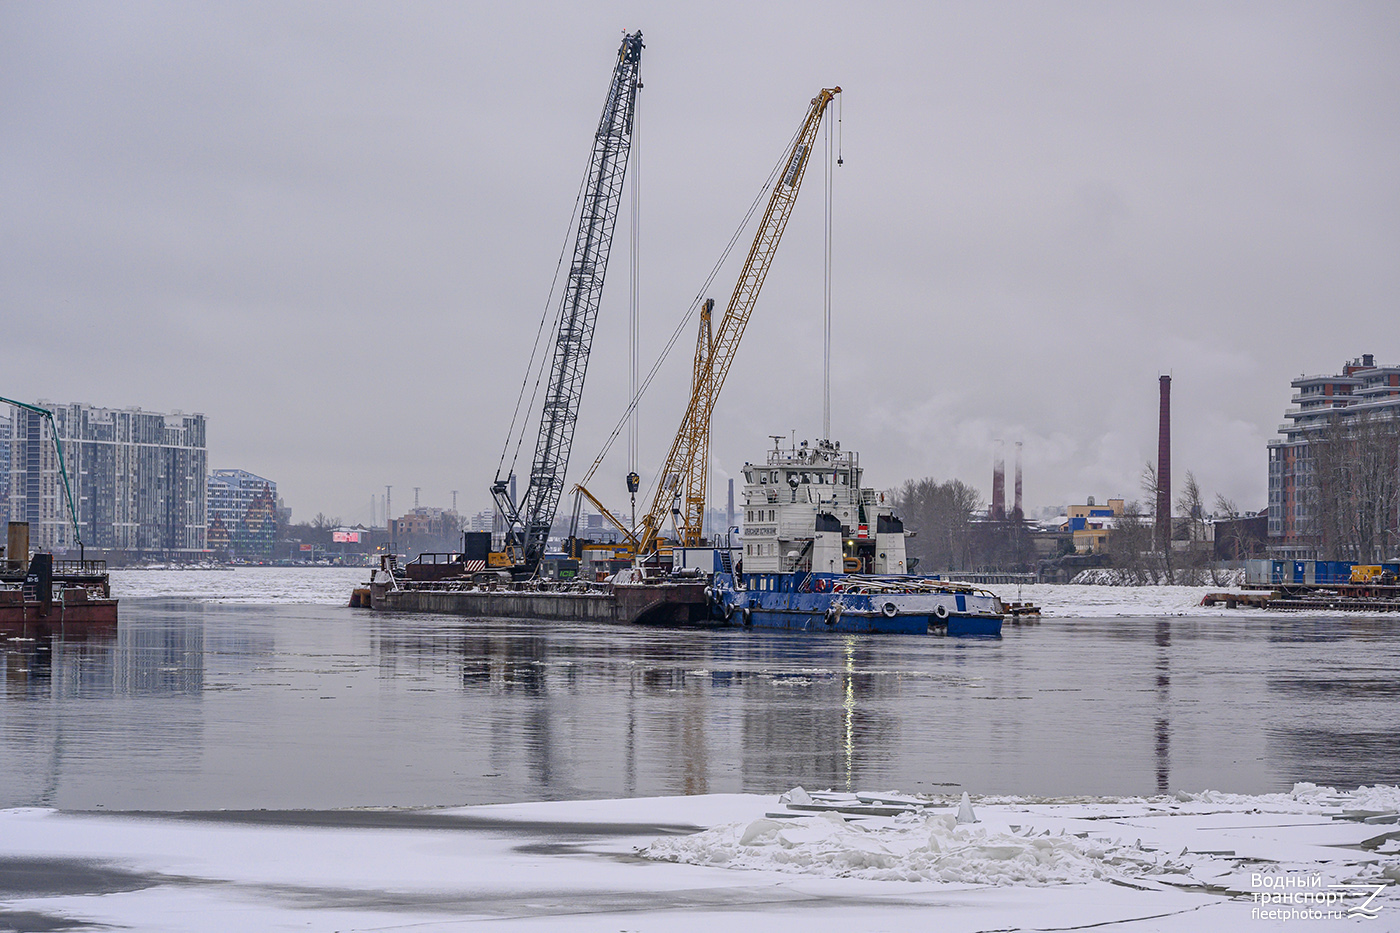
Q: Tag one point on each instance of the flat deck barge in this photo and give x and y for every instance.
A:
(669, 603)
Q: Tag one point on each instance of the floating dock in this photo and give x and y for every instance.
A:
(1341, 597)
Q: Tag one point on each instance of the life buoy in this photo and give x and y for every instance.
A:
(821, 586)
(890, 610)
(940, 611)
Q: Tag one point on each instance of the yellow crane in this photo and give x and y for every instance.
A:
(681, 487)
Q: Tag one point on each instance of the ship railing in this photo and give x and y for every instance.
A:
(861, 583)
(466, 585)
(80, 567)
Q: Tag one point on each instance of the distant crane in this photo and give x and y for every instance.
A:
(681, 486)
(62, 469)
(528, 522)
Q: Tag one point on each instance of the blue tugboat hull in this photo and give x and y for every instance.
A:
(788, 602)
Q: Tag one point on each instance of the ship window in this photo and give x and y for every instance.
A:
(775, 476)
(763, 478)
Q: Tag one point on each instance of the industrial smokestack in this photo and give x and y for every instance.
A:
(998, 486)
(1016, 511)
(1164, 465)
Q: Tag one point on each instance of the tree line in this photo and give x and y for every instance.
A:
(944, 536)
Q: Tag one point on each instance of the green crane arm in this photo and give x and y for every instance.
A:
(62, 469)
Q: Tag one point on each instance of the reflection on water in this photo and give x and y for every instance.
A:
(1162, 637)
(193, 706)
(128, 660)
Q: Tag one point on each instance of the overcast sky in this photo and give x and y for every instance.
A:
(332, 228)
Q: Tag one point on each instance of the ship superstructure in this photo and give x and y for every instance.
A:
(805, 510)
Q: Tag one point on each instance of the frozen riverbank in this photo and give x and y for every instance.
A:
(1187, 862)
(331, 586)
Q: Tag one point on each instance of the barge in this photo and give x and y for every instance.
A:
(487, 595)
(52, 596)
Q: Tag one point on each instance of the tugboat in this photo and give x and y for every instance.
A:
(810, 562)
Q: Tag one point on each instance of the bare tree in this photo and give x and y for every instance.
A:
(1150, 486)
(1192, 506)
(1354, 496)
(941, 514)
(1227, 515)
(1130, 545)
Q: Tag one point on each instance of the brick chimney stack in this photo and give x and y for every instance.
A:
(998, 486)
(1164, 465)
(1016, 509)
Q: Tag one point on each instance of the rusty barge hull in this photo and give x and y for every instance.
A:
(21, 618)
(643, 604)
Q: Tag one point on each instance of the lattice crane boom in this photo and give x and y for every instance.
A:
(681, 487)
(528, 522)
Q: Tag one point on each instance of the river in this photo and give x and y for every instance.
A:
(258, 689)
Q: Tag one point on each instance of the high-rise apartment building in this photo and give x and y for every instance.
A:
(4, 466)
(1336, 462)
(242, 515)
(138, 479)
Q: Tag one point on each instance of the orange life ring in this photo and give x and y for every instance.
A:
(821, 586)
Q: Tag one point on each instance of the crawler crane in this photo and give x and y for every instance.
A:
(528, 521)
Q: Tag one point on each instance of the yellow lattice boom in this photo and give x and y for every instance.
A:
(681, 486)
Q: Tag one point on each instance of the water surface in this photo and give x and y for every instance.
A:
(206, 704)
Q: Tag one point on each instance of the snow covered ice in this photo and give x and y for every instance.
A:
(1191, 861)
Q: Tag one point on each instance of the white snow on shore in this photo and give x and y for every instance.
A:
(1091, 601)
(1204, 861)
(329, 586)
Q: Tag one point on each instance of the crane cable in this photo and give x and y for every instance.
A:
(685, 320)
(539, 334)
(635, 295)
